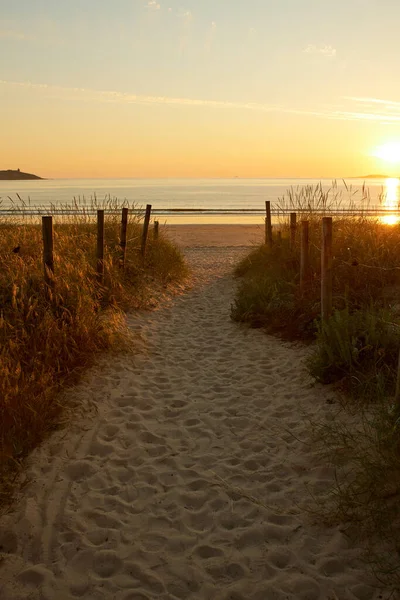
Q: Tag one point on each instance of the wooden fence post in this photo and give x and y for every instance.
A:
(293, 220)
(279, 236)
(326, 268)
(304, 255)
(145, 229)
(100, 245)
(268, 224)
(48, 256)
(124, 226)
(156, 230)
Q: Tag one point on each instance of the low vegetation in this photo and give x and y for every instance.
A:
(358, 347)
(357, 350)
(47, 336)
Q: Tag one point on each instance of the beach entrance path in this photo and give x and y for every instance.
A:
(192, 477)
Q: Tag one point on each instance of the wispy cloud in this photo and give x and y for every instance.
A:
(351, 108)
(392, 104)
(323, 50)
(376, 108)
(125, 98)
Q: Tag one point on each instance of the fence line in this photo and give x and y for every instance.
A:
(48, 243)
(326, 248)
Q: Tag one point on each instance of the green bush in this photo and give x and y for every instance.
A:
(360, 347)
(261, 300)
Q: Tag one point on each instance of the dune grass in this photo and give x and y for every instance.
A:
(356, 350)
(48, 336)
(361, 340)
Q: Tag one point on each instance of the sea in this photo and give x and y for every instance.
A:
(199, 200)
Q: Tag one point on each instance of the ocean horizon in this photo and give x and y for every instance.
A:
(217, 195)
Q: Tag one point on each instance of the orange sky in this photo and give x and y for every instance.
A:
(154, 90)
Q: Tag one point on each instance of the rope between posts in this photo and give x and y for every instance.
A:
(355, 263)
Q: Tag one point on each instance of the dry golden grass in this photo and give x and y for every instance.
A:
(48, 336)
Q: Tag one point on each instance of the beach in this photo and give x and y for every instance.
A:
(215, 235)
(189, 471)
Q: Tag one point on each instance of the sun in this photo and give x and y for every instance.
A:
(389, 152)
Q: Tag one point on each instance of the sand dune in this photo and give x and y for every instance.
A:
(191, 478)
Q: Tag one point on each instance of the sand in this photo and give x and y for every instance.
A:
(192, 478)
(189, 236)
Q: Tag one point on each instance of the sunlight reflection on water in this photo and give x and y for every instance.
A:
(391, 200)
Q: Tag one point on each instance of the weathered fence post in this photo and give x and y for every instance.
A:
(304, 255)
(268, 224)
(145, 229)
(48, 257)
(156, 230)
(100, 245)
(293, 219)
(124, 227)
(326, 268)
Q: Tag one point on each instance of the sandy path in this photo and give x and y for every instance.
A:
(188, 482)
(200, 236)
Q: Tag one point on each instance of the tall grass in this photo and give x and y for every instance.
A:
(48, 336)
(307, 199)
(366, 276)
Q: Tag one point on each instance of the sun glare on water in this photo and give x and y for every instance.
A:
(389, 153)
(391, 200)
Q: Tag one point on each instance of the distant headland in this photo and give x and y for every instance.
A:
(15, 175)
(373, 176)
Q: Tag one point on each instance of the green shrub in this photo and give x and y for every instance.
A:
(359, 347)
(261, 300)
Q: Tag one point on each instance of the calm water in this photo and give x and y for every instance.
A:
(205, 194)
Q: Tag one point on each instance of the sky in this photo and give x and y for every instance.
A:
(200, 88)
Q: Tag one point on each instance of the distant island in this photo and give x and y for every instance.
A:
(15, 175)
